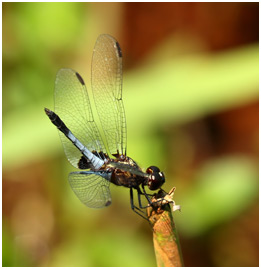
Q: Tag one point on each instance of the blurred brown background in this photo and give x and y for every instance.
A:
(190, 86)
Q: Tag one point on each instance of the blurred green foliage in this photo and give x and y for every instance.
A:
(224, 188)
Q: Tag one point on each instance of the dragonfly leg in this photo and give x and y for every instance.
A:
(147, 196)
(135, 208)
(139, 199)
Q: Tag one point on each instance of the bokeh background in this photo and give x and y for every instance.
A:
(191, 85)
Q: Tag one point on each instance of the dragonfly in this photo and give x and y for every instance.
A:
(101, 159)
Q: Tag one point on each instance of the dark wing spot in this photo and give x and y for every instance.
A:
(119, 49)
(108, 203)
(80, 78)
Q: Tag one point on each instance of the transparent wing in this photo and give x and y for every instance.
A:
(92, 189)
(107, 92)
(72, 105)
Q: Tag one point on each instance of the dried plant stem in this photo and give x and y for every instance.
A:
(165, 238)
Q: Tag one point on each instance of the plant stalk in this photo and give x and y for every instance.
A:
(165, 237)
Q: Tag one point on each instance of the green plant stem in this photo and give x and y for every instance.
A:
(165, 237)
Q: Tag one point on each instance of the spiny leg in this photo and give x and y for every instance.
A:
(139, 199)
(132, 203)
(135, 208)
(147, 196)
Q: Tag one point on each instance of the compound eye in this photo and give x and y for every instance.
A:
(152, 169)
(156, 178)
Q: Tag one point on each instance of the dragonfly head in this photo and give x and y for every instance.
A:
(155, 179)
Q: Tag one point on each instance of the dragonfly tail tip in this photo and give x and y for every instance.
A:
(47, 111)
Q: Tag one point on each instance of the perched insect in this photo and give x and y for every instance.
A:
(102, 163)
